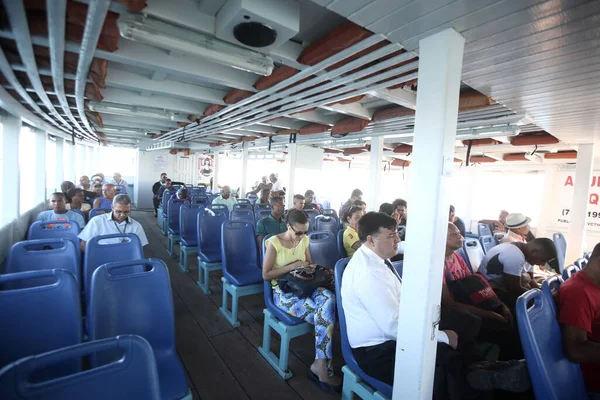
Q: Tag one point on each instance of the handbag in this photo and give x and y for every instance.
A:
(474, 290)
(301, 283)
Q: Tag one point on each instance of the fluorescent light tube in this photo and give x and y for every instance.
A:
(169, 37)
(121, 109)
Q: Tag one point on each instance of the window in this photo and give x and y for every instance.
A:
(27, 178)
(51, 184)
(118, 159)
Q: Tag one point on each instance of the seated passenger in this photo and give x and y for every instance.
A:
(84, 183)
(361, 204)
(97, 189)
(181, 194)
(109, 191)
(298, 202)
(351, 241)
(226, 198)
(579, 316)
(386, 208)
(496, 226)
(518, 228)
(117, 180)
(59, 211)
(504, 264)
(497, 326)
(117, 221)
(168, 186)
(309, 197)
(65, 186)
(272, 224)
(286, 252)
(356, 195)
(460, 224)
(155, 187)
(77, 201)
(400, 211)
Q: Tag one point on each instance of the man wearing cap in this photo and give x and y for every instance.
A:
(518, 228)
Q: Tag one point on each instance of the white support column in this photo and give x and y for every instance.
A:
(547, 206)
(216, 170)
(9, 203)
(40, 166)
(60, 167)
(245, 154)
(291, 162)
(69, 162)
(581, 193)
(373, 199)
(435, 132)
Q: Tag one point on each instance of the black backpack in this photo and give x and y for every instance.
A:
(474, 290)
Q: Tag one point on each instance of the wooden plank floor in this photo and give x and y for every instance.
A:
(222, 362)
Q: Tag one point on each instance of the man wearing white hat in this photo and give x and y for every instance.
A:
(518, 228)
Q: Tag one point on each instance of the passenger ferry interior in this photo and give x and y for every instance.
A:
(299, 199)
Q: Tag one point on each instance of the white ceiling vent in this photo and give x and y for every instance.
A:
(262, 25)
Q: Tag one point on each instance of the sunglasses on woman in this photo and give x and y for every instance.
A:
(298, 233)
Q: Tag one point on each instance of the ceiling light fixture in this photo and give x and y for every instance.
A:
(156, 33)
(137, 111)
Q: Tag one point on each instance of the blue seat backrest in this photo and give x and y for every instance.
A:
(461, 253)
(242, 215)
(570, 271)
(553, 376)
(252, 198)
(346, 348)
(244, 201)
(399, 266)
(561, 248)
(312, 214)
(323, 248)
(239, 254)
(104, 249)
(243, 206)
(474, 252)
(209, 232)
(121, 189)
(127, 300)
(99, 211)
(330, 212)
(550, 287)
(261, 213)
(200, 199)
(258, 206)
(340, 244)
(326, 223)
(487, 242)
(188, 215)
(173, 214)
(268, 294)
(484, 230)
(41, 254)
(165, 199)
(135, 376)
(54, 229)
(219, 207)
(581, 262)
(38, 318)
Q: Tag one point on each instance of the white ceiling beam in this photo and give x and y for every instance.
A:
(121, 96)
(352, 109)
(136, 122)
(401, 97)
(260, 129)
(316, 117)
(284, 123)
(130, 81)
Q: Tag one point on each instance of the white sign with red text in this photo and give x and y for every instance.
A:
(564, 200)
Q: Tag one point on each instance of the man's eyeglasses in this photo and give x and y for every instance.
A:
(121, 212)
(298, 233)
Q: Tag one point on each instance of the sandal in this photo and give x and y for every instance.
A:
(324, 386)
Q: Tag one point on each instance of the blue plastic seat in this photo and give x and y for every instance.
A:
(340, 244)
(550, 287)
(121, 189)
(243, 206)
(487, 242)
(484, 230)
(287, 326)
(463, 255)
(54, 229)
(322, 246)
(330, 212)
(134, 376)
(258, 206)
(326, 223)
(127, 300)
(99, 211)
(552, 375)
(173, 207)
(312, 215)
(219, 207)
(104, 249)
(200, 199)
(242, 275)
(261, 213)
(474, 252)
(356, 381)
(252, 198)
(42, 254)
(209, 246)
(570, 271)
(242, 215)
(165, 199)
(581, 262)
(245, 201)
(40, 311)
(399, 267)
(561, 249)
(188, 233)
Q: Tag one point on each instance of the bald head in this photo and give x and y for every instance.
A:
(109, 191)
(225, 192)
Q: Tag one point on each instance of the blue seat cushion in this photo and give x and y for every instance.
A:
(210, 255)
(173, 231)
(248, 275)
(189, 242)
(173, 385)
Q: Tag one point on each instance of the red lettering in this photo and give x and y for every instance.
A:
(569, 181)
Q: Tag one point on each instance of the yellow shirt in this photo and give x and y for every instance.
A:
(287, 256)
(84, 207)
(350, 237)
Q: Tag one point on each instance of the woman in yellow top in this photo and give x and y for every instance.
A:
(285, 253)
(351, 242)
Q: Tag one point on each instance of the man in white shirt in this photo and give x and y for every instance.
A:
(59, 211)
(117, 181)
(225, 198)
(276, 183)
(117, 221)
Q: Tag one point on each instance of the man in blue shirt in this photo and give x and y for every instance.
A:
(274, 223)
(59, 211)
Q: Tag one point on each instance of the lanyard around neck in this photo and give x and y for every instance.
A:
(117, 226)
